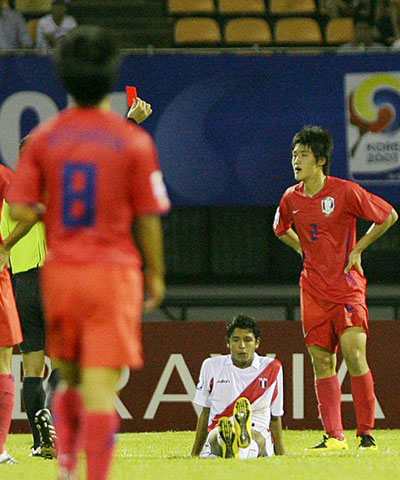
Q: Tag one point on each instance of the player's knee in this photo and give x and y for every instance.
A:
(98, 399)
(324, 363)
(98, 387)
(356, 363)
(5, 360)
(33, 364)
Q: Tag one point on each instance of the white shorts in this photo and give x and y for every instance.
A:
(252, 451)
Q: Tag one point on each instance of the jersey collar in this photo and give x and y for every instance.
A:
(254, 364)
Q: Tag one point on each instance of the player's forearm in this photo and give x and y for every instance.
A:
(201, 433)
(276, 431)
(25, 213)
(291, 239)
(374, 232)
(20, 230)
(148, 236)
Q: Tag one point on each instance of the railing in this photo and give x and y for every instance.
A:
(254, 49)
(187, 301)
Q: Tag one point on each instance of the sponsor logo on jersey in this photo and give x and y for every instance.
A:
(223, 380)
(328, 205)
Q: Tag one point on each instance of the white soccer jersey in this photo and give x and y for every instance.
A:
(221, 383)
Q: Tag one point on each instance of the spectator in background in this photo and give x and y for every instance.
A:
(394, 16)
(13, 30)
(345, 8)
(54, 26)
(383, 22)
(364, 36)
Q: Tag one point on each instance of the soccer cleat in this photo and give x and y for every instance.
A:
(330, 443)
(230, 448)
(242, 418)
(5, 457)
(47, 432)
(367, 442)
(35, 451)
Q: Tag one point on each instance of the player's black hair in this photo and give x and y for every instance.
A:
(244, 322)
(319, 140)
(87, 62)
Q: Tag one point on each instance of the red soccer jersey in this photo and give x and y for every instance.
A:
(94, 173)
(326, 226)
(6, 174)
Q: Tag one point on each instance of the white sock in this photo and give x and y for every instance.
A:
(249, 452)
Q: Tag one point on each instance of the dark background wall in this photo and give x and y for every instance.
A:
(237, 245)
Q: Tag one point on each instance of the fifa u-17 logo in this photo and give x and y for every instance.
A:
(328, 205)
(263, 382)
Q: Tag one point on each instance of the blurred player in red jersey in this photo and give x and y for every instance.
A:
(24, 266)
(323, 211)
(92, 175)
(10, 335)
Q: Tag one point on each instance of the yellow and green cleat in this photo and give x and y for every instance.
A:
(242, 418)
(330, 444)
(230, 448)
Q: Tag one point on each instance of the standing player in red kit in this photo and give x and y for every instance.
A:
(324, 211)
(10, 335)
(92, 175)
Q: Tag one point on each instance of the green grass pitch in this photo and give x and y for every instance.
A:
(154, 456)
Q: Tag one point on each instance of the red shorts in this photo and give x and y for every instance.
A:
(10, 327)
(324, 322)
(93, 314)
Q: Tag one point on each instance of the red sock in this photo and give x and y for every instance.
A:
(329, 397)
(6, 407)
(362, 388)
(68, 419)
(100, 441)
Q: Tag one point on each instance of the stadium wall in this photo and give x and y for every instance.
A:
(159, 397)
(223, 125)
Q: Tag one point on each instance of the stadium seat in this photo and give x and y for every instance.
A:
(290, 7)
(339, 30)
(247, 30)
(191, 30)
(32, 28)
(300, 30)
(190, 7)
(233, 7)
(27, 7)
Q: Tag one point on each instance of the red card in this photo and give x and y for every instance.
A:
(131, 93)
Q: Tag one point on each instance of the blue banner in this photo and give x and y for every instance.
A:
(223, 124)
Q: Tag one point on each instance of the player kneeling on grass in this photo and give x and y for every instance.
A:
(242, 399)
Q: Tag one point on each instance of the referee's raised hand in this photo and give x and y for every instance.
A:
(139, 111)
